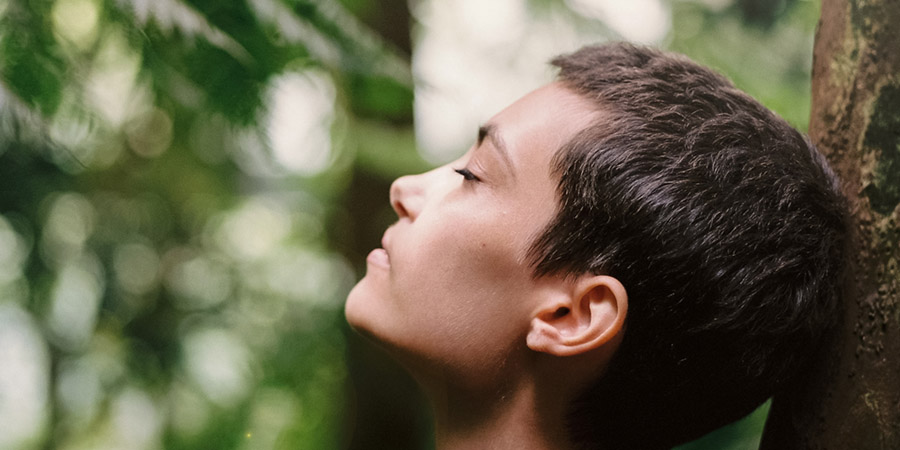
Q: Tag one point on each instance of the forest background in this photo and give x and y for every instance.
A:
(188, 189)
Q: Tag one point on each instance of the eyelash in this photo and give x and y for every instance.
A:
(467, 174)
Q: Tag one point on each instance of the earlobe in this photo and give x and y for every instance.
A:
(587, 315)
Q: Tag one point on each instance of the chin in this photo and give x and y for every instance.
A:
(354, 307)
(363, 311)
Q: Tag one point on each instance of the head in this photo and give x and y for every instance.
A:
(648, 217)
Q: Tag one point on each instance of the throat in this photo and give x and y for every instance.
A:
(513, 419)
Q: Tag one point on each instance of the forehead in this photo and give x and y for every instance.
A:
(538, 124)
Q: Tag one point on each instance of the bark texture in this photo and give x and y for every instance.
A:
(853, 397)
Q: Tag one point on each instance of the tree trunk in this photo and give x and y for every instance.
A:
(853, 398)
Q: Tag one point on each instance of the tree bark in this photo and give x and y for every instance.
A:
(852, 399)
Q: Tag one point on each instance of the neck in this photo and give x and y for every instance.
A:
(515, 417)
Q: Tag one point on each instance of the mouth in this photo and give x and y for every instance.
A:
(379, 256)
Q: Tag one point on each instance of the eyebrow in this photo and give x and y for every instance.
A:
(490, 131)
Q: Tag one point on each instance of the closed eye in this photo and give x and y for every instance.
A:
(466, 174)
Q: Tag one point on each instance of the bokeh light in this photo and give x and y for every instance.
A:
(24, 379)
(299, 121)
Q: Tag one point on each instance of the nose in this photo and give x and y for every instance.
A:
(407, 196)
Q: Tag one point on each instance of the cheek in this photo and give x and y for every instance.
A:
(459, 285)
(457, 257)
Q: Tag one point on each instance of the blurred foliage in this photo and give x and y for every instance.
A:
(172, 273)
(186, 279)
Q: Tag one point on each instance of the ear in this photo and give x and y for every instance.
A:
(587, 314)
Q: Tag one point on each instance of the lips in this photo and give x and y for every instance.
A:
(379, 256)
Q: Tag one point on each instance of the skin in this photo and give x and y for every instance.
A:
(451, 294)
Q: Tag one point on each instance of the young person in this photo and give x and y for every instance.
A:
(628, 257)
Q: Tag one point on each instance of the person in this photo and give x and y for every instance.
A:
(628, 257)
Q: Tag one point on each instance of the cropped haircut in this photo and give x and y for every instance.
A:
(725, 225)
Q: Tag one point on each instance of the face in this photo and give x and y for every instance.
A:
(452, 289)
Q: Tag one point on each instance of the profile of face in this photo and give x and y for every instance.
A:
(452, 289)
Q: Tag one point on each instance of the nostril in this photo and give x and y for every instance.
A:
(406, 196)
(397, 194)
(399, 209)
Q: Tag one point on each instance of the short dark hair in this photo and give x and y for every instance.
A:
(725, 225)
